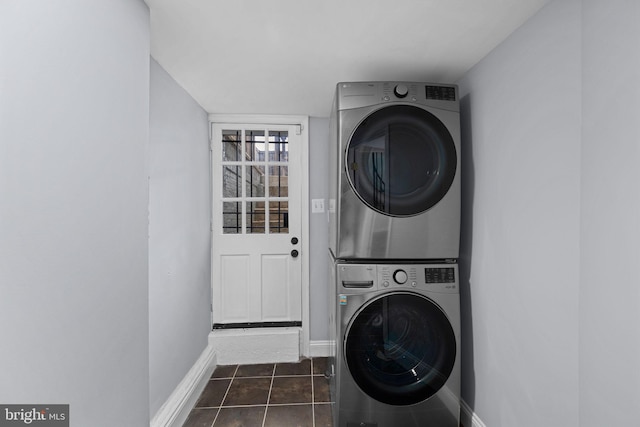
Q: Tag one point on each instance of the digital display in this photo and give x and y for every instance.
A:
(441, 93)
(439, 275)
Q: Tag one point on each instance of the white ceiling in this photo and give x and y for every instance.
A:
(286, 56)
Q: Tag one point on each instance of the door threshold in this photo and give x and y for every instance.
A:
(249, 325)
(256, 345)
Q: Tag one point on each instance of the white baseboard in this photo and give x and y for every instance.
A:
(175, 410)
(320, 348)
(469, 418)
(256, 345)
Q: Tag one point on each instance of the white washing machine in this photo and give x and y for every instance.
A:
(395, 171)
(397, 354)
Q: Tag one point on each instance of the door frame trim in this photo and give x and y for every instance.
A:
(303, 122)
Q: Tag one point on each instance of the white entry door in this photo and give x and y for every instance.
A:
(256, 188)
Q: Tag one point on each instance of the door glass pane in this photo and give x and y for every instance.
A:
(279, 146)
(254, 145)
(255, 218)
(231, 181)
(231, 218)
(278, 217)
(255, 170)
(231, 148)
(255, 181)
(278, 181)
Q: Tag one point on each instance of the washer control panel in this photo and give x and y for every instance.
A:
(362, 278)
(433, 277)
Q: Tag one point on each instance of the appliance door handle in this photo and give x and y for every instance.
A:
(357, 283)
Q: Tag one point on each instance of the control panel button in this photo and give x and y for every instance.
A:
(400, 277)
(401, 91)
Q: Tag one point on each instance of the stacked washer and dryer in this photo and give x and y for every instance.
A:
(394, 214)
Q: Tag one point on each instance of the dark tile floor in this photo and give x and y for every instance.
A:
(266, 395)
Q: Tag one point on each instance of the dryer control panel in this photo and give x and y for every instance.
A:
(366, 94)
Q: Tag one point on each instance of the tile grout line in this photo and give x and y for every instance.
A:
(266, 408)
(258, 405)
(313, 399)
(225, 395)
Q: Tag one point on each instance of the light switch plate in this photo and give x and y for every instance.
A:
(317, 205)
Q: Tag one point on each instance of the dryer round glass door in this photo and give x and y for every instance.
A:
(400, 348)
(401, 160)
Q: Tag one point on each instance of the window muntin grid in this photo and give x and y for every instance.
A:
(255, 180)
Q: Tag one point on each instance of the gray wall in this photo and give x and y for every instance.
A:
(74, 120)
(610, 222)
(318, 230)
(551, 202)
(520, 252)
(179, 235)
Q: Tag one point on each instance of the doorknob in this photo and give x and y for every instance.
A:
(294, 240)
(294, 253)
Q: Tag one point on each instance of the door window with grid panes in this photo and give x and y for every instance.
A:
(255, 179)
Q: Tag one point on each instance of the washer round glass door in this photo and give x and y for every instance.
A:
(400, 348)
(401, 160)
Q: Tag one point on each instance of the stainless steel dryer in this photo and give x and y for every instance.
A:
(397, 353)
(395, 171)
